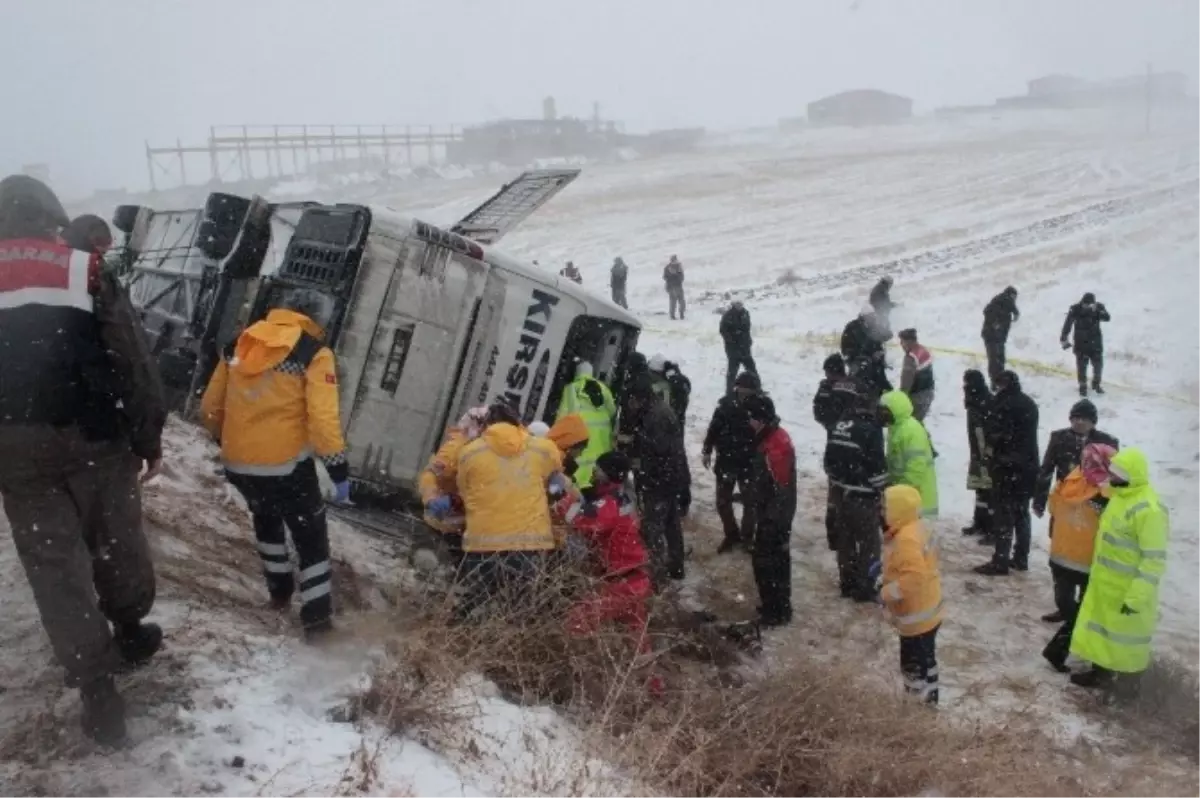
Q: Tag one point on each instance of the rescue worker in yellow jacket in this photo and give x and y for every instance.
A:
(1075, 508)
(1116, 623)
(593, 401)
(272, 405)
(439, 493)
(502, 477)
(911, 589)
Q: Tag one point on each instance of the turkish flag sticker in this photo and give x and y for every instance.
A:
(331, 378)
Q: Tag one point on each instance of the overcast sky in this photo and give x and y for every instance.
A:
(85, 83)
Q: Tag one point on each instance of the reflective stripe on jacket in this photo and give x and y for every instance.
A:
(912, 582)
(909, 453)
(1076, 516)
(1128, 565)
(501, 477)
(275, 402)
(599, 421)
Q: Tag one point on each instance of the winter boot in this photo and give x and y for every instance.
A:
(1056, 654)
(1083, 391)
(138, 642)
(1053, 617)
(1092, 678)
(318, 632)
(971, 530)
(281, 603)
(992, 568)
(103, 717)
(728, 544)
(1096, 387)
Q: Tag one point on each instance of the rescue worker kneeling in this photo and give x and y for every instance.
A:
(272, 405)
(439, 493)
(609, 523)
(911, 589)
(502, 477)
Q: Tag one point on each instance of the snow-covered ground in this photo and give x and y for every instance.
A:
(828, 205)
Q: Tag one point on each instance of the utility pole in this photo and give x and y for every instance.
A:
(1149, 93)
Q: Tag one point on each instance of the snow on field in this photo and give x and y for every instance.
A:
(1054, 204)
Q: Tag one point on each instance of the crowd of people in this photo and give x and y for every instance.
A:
(618, 277)
(605, 486)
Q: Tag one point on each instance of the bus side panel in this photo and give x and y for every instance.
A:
(414, 347)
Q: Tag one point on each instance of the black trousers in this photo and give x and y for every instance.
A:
(737, 358)
(858, 520)
(772, 562)
(983, 512)
(726, 483)
(502, 581)
(918, 664)
(831, 536)
(1012, 529)
(293, 501)
(1082, 358)
(618, 294)
(662, 531)
(1069, 587)
(995, 357)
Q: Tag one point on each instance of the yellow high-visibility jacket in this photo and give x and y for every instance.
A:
(433, 482)
(1076, 516)
(274, 404)
(502, 477)
(912, 581)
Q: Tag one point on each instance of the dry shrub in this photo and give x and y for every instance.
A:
(806, 729)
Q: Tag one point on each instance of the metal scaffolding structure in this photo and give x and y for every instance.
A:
(240, 152)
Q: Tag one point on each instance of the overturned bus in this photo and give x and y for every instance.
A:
(425, 322)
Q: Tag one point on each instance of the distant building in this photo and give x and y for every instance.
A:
(1051, 85)
(860, 107)
(1064, 91)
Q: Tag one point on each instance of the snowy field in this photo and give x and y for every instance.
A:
(1055, 205)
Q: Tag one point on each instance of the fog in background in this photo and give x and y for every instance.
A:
(86, 83)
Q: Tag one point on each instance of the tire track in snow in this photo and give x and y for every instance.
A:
(1093, 216)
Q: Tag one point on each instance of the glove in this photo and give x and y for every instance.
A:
(1127, 610)
(439, 507)
(341, 492)
(1066, 344)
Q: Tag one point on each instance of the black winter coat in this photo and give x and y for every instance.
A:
(858, 342)
(881, 297)
(1064, 452)
(834, 398)
(730, 435)
(855, 458)
(977, 472)
(681, 392)
(1012, 424)
(658, 445)
(998, 316)
(735, 330)
(1089, 339)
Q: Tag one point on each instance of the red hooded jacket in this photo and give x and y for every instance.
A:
(609, 522)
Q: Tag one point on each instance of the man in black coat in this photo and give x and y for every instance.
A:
(729, 434)
(881, 297)
(1064, 452)
(836, 395)
(775, 509)
(1085, 317)
(862, 348)
(1011, 430)
(735, 332)
(856, 465)
(661, 474)
(998, 317)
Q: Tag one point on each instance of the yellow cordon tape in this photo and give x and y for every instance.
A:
(834, 341)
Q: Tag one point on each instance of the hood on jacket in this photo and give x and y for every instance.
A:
(975, 388)
(568, 431)
(899, 404)
(265, 344)
(1013, 382)
(901, 506)
(506, 440)
(1129, 465)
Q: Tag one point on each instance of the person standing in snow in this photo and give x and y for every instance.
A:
(731, 437)
(616, 281)
(911, 589)
(916, 375)
(774, 479)
(1085, 317)
(836, 394)
(676, 388)
(571, 272)
(862, 347)
(1119, 615)
(1064, 453)
(881, 299)
(590, 398)
(661, 475)
(273, 403)
(976, 400)
(857, 468)
(998, 317)
(673, 279)
(81, 414)
(1012, 424)
(909, 453)
(1076, 504)
(735, 332)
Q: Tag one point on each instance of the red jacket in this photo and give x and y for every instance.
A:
(610, 524)
(775, 477)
